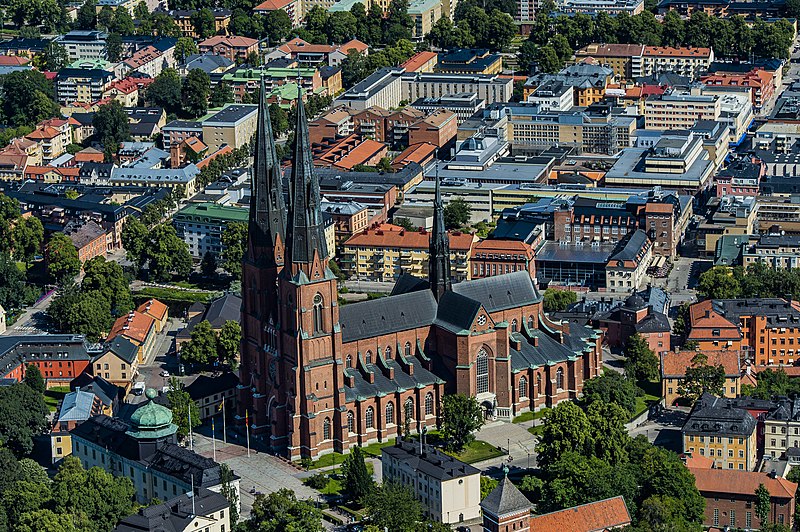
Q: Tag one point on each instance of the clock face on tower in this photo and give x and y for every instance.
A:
(273, 367)
(482, 319)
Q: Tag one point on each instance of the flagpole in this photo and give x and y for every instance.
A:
(224, 430)
(247, 429)
(191, 437)
(213, 438)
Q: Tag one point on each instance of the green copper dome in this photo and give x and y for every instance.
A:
(151, 420)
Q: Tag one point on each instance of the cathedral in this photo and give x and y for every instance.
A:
(317, 377)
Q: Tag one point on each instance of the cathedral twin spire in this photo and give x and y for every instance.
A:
(439, 265)
(302, 230)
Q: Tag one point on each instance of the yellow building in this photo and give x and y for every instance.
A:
(623, 59)
(75, 408)
(385, 253)
(234, 125)
(674, 366)
(118, 363)
(717, 429)
(140, 329)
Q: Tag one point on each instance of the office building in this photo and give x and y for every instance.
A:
(675, 365)
(83, 44)
(200, 509)
(201, 225)
(718, 429)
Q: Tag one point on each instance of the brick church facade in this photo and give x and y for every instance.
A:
(318, 378)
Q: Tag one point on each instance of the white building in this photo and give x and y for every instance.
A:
(201, 510)
(449, 490)
(84, 44)
(382, 89)
(489, 87)
(552, 95)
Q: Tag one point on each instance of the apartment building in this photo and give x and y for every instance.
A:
(760, 84)
(293, 8)
(201, 225)
(674, 110)
(83, 44)
(388, 251)
(183, 18)
(683, 61)
(139, 329)
(246, 81)
(489, 87)
(589, 82)
(75, 408)
(720, 430)
(592, 7)
(496, 257)
(424, 14)
(380, 89)
(464, 105)
(553, 95)
(643, 312)
(118, 363)
(767, 328)
(58, 357)
(739, 178)
(469, 61)
(82, 85)
(200, 509)
(234, 126)
(776, 251)
(438, 128)
(349, 218)
(624, 59)
(232, 47)
(52, 137)
(448, 489)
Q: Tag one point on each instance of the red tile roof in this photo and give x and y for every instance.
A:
(13, 60)
(354, 44)
(393, 236)
(669, 51)
(674, 364)
(272, 5)
(592, 517)
(418, 60)
(234, 41)
(734, 482)
(153, 308)
(134, 325)
(297, 44)
(416, 153)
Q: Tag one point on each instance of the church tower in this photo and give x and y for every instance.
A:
(439, 265)
(261, 266)
(309, 403)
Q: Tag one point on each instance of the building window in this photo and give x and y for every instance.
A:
(523, 388)
(748, 519)
(408, 349)
(482, 372)
(368, 357)
(716, 516)
(530, 322)
(538, 384)
(429, 404)
(388, 352)
(514, 325)
(369, 418)
(560, 379)
(389, 413)
(351, 422)
(317, 310)
(326, 429)
(409, 409)
(733, 517)
(349, 361)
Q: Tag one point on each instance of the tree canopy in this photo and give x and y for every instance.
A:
(702, 377)
(181, 403)
(457, 213)
(234, 243)
(23, 415)
(281, 511)
(556, 300)
(642, 363)
(461, 416)
(63, 263)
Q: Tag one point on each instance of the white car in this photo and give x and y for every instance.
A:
(164, 374)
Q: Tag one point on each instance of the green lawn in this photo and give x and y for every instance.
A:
(530, 416)
(54, 395)
(332, 459)
(643, 403)
(478, 451)
(536, 431)
(169, 294)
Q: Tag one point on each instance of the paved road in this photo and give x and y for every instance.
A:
(369, 286)
(34, 319)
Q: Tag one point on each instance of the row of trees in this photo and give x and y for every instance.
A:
(187, 98)
(28, 98)
(474, 26)
(92, 307)
(357, 66)
(757, 280)
(553, 39)
(370, 27)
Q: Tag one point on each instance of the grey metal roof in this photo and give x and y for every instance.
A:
(547, 352)
(387, 315)
(505, 499)
(430, 461)
(123, 348)
(500, 292)
(456, 313)
(718, 415)
(76, 406)
(383, 385)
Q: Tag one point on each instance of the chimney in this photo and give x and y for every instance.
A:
(708, 313)
(535, 341)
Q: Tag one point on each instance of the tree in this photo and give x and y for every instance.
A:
(565, 428)
(556, 300)
(228, 490)
(221, 94)
(642, 363)
(681, 324)
(76, 312)
(87, 16)
(457, 213)
(167, 254)
(405, 223)
(107, 279)
(98, 497)
(393, 507)
(202, 347)
(277, 25)
(134, 240)
(461, 416)
(165, 91)
(63, 263)
(281, 511)
(763, 504)
(54, 58)
(122, 23)
(701, 378)
(184, 47)
(609, 435)
(23, 415)
(548, 60)
(114, 47)
(340, 26)
(203, 22)
(234, 242)
(611, 387)
(195, 92)
(208, 266)
(105, 18)
(718, 282)
(229, 342)
(357, 480)
(14, 291)
(181, 403)
(27, 98)
(278, 118)
(112, 126)
(28, 235)
(531, 487)
(33, 378)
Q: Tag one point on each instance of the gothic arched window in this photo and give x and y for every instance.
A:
(388, 352)
(482, 372)
(530, 321)
(326, 429)
(351, 422)
(407, 350)
(560, 379)
(368, 357)
(514, 325)
(523, 387)
(389, 413)
(317, 311)
(348, 361)
(409, 409)
(429, 404)
(538, 385)
(369, 418)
